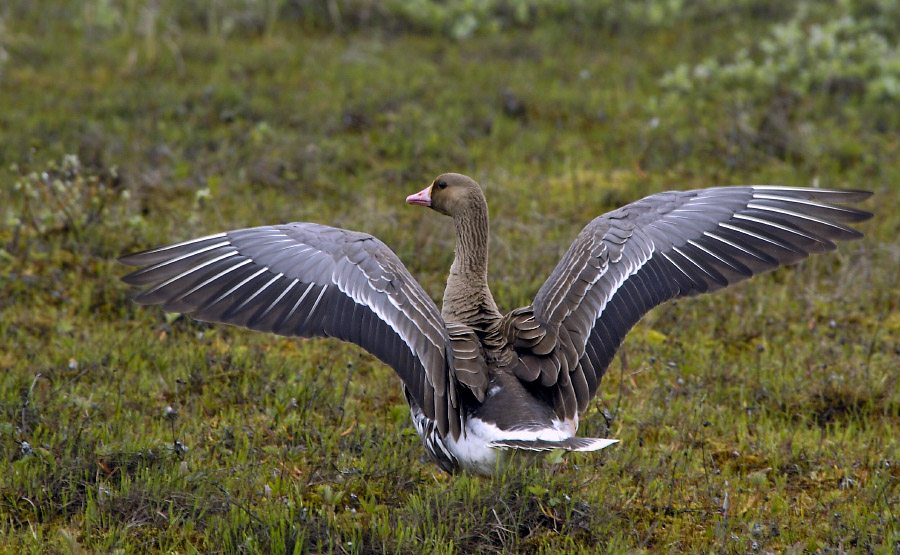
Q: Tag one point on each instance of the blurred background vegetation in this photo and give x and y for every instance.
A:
(760, 419)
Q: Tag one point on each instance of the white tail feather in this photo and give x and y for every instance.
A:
(569, 444)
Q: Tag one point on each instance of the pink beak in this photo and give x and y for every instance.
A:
(422, 198)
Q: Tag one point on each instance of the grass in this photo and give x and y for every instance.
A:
(763, 418)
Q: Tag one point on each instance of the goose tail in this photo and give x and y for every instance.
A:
(568, 444)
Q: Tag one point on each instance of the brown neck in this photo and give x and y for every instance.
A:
(467, 298)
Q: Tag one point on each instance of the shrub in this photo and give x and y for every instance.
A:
(844, 57)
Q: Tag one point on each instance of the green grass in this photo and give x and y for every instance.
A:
(760, 419)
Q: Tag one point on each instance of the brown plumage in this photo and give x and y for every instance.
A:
(480, 383)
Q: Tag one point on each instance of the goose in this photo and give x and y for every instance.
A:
(481, 384)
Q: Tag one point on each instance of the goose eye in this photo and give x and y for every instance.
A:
(441, 184)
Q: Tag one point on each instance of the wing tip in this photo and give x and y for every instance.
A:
(132, 260)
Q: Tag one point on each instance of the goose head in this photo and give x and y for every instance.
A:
(451, 194)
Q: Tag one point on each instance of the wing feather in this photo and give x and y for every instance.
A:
(668, 245)
(310, 280)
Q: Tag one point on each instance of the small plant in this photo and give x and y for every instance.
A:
(62, 197)
(64, 204)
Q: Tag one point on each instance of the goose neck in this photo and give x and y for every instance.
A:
(467, 298)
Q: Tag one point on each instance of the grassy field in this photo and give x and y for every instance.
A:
(761, 419)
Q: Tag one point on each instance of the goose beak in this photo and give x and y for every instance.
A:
(422, 198)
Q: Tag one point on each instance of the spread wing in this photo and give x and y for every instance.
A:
(665, 246)
(310, 280)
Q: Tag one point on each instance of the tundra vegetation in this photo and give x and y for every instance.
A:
(762, 419)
